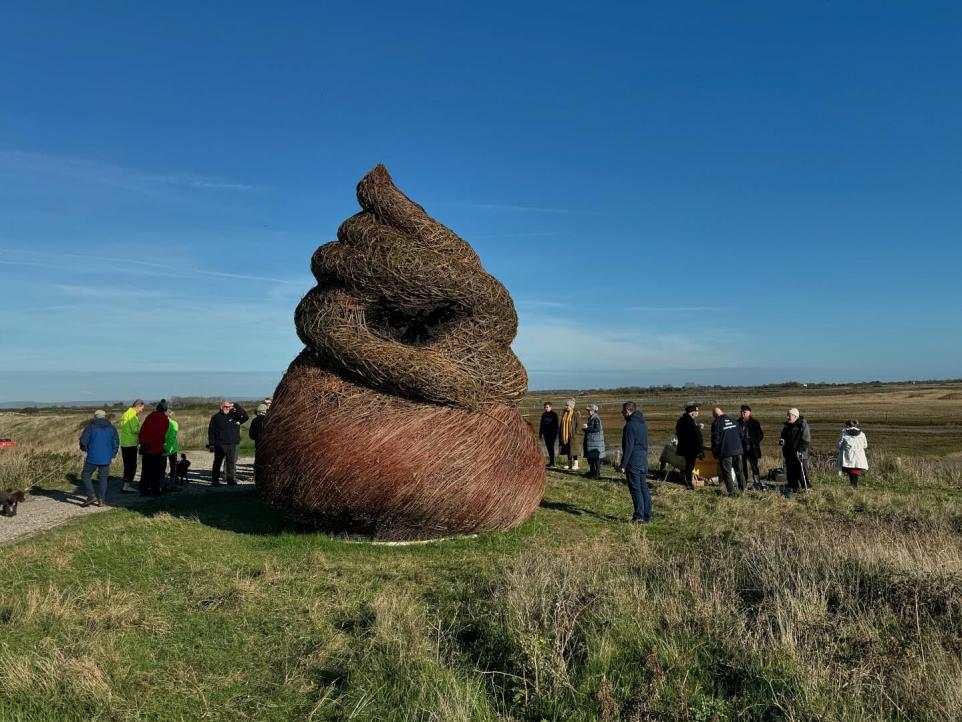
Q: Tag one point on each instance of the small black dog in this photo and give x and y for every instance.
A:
(182, 466)
(9, 499)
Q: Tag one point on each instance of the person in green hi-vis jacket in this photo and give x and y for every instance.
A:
(171, 447)
(129, 428)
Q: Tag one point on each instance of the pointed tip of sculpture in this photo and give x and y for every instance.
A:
(379, 172)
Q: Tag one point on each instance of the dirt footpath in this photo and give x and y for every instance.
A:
(48, 508)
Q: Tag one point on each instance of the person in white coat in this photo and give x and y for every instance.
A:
(851, 451)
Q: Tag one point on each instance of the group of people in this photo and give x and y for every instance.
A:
(564, 430)
(155, 439)
(735, 443)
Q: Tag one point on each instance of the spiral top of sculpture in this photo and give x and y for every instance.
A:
(403, 304)
(398, 420)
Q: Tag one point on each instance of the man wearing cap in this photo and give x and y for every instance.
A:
(567, 429)
(752, 435)
(726, 446)
(101, 442)
(152, 436)
(634, 461)
(690, 442)
(223, 438)
(594, 442)
(795, 441)
(129, 431)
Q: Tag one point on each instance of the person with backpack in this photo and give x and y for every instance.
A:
(691, 445)
(796, 439)
(129, 442)
(752, 435)
(852, 446)
(101, 442)
(726, 446)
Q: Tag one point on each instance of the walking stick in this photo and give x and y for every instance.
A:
(801, 466)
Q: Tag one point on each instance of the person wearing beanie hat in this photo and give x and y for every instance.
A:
(101, 442)
(796, 438)
(594, 442)
(752, 435)
(152, 436)
(257, 427)
(691, 446)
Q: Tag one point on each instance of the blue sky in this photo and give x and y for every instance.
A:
(728, 192)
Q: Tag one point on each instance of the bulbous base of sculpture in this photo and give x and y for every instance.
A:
(349, 459)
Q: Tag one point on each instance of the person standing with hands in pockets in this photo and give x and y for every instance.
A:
(634, 461)
(223, 438)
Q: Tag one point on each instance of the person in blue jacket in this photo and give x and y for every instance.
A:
(101, 442)
(634, 461)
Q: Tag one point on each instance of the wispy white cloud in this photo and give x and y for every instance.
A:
(128, 265)
(516, 208)
(100, 291)
(675, 309)
(176, 333)
(531, 234)
(89, 171)
(545, 343)
(540, 304)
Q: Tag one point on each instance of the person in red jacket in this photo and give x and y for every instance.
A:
(152, 434)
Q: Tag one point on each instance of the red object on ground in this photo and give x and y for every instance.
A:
(6, 443)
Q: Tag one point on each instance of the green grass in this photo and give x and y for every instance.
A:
(842, 605)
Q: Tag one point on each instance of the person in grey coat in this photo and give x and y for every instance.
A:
(101, 442)
(594, 443)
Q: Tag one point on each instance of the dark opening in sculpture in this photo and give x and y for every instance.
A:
(398, 419)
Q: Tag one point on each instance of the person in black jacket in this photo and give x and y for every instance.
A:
(223, 437)
(752, 436)
(634, 461)
(691, 446)
(795, 441)
(257, 427)
(548, 431)
(726, 446)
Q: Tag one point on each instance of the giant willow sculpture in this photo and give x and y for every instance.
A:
(398, 420)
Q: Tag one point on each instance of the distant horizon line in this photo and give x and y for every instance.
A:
(14, 405)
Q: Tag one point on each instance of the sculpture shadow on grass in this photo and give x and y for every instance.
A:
(238, 510)
(576, 510)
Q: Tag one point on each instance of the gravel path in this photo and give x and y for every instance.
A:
(48, 508)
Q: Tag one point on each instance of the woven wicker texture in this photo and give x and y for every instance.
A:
(403, 304)
(398, 421)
